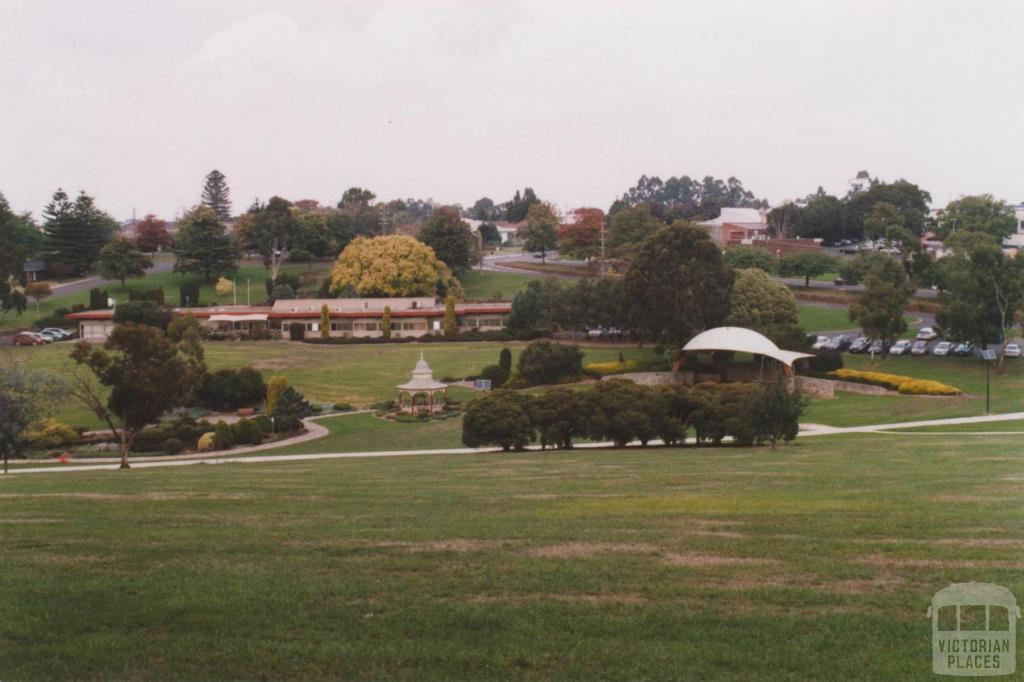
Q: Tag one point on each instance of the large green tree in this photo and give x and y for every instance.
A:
(499, 418)
(75, 232)
(273, 232)
(628, 229)
(12, 262)
(217, 195)
(677, 285)
(25, 396)
(121, 259)
(450, 238)
(541, 230)
(203, 246)
(758, 302)
(981, 213)
(879, 308)
(807, 265)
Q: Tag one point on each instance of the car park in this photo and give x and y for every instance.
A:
(29, 339)
(920, 347)
(1012, 350)
(900, 347)
(820, 342)
(860, 345)
(878, 347)
(942, 348)
(927, 334)
(964, 349)
(841, 342)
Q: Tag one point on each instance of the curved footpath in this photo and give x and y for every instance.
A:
(315, 431)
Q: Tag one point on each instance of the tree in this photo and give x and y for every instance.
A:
(807, 265)
(37, 291)
(629, 228)
(499, 418)
(385, 322)
(484, 209)
(120, 259)
(392, 266)
(203, 246)
(743, 257)
(489, 233)
(151, 234)
(540, 232)
(273, 232)
(981, 213)
(75, 232)
(677, 285)
(882, 220)
(824, 216)
(12, 262)
(25, 396)
(581, 238)
(450, 238)
(289, 410)
(757, 302)
(224, 286)
(620, 410)
(325, 322)
(505, 359)
(356, 198)
(519, 207)
(982, 289)
(543, 362)
(687, 198)
(556, 415)
(450, 325)
(879, 308)
(776, 411)
(217, 195)
(143, 313)
(144, 372)
(909, 200)
(275, 387)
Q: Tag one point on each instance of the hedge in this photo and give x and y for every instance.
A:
(615, 367)
(895, 382)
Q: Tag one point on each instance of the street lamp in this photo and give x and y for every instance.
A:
(988, 357)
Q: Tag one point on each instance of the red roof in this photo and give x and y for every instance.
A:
(491, 309)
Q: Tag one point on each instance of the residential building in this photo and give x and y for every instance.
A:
(737, 226)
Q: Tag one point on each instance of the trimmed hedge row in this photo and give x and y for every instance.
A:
(895, 382)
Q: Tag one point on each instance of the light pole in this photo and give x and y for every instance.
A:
(988, 357)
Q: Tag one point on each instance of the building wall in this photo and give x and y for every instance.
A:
(400, 328)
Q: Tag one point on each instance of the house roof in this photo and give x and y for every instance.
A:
(736, 215)
(741, 340)
(241, 313)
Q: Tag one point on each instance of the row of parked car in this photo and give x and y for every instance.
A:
(922, 345)
(41, 338)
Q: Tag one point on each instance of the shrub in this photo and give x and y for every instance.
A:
(143, 312)
(825, 361)
(207, 442)
(180, 324)
(50, 433)
(499, 418)
(246, 432)
(229, 389)
(98, 299)
(505, 359)
(151, 294)
(56, 319)
(223, 438)
(275, 388)
(496, 374)
(343, 407)
(284, 292)
(299, 256)
(606, 368)
(290, 409)
(265, 425)
(173, 446)
(189, 294)
(895, 382)
(185, 429)
(543, 362)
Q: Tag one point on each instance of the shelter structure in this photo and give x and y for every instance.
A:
(419, 394)
(742, 340)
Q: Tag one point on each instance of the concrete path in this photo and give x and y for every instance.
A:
(807, 431)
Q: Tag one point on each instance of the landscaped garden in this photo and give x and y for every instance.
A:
(814, 561)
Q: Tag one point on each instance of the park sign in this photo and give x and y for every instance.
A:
(483, 384)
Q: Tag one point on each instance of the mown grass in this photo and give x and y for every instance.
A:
(816, 561)
(816, 318)
(494, 286)
(367, 433)
(1013, 425)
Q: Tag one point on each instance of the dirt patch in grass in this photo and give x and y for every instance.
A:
(149, 497)
(583, 550)
(21, 521)
(699, 560)
(902, 562)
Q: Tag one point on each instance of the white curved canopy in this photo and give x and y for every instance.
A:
(741, 340)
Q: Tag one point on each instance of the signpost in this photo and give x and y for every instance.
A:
(988, 357)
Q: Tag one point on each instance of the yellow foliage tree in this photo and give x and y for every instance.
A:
(224, 286)
(392, 266)
(451, 327)
(275, 387)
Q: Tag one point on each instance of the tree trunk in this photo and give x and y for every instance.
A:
(124, 448)
(807, 281)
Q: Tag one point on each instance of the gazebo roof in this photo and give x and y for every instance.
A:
(422, 379)
(744, 341)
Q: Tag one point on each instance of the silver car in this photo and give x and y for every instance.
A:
(942, 348)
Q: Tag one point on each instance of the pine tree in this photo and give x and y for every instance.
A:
(325, 322)
(217, 194)
(385, 323)
(75, 232)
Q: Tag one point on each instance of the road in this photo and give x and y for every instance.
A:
(160, 264)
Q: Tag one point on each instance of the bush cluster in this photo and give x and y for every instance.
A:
(50, 433)
(544, 362)
(825, 361)
(186, 430)
(497, 375)
(608, 368)
(895, 382)
(229, 389)
(622, 411)
(152, 294)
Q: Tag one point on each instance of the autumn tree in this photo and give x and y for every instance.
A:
(540, 232)
(202, 245)
(217, 195)
(450, 238)
(151, 234)
(392, 266)
(581, 238)
(677, 285)
(121, 259)
(145, 375)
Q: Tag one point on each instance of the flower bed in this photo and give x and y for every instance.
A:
(895, 382)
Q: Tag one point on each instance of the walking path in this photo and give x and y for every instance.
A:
(315, 431)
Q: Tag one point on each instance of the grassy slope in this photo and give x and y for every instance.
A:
(366, 433)
(815, 561)
(814, 318)
(498, 286)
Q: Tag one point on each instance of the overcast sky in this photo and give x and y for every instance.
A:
(136, 101)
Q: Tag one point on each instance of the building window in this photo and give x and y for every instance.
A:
(343, 326)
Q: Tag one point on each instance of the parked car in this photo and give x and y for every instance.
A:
(860, 345)
(900, 347)
(920, 347)
(963, 349)
(849, 249)
(51, 336)
(878, 347)
(841, 342)
(60, 333)
(819, 343)
(942, 348)
(926, 334)
(1012, 350)
(29, 339)
(840, 282)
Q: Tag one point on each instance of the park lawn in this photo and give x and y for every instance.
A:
(253, 273)
(367, 433)
(494, 286)
(818, 318)
(984, 428)
(815, 561)
(359, 374)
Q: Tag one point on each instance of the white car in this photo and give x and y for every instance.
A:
(820, 342)
(942, 348)
(900, 347)
(926, 334)
(1012, 350)
(58, 332)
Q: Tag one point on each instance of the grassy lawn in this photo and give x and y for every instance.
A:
(811, 562)
(255, 273)
(494, 286)
(366, 433)
(356, 374)
(816, 318)
(1013, 425)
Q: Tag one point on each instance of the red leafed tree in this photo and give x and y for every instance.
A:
(582, 237)
(151, 234)
(306, 204)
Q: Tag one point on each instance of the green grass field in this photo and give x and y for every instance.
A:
(816, 561)
(1010, 426)
(366, 433)
(494, 286)
(816, 318)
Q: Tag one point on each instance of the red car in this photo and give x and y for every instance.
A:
(29, 339)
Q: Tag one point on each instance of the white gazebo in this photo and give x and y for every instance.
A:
(417, 394)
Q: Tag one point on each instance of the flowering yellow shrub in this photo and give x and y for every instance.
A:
(895, 382)
(616, 367)
(206, 442)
